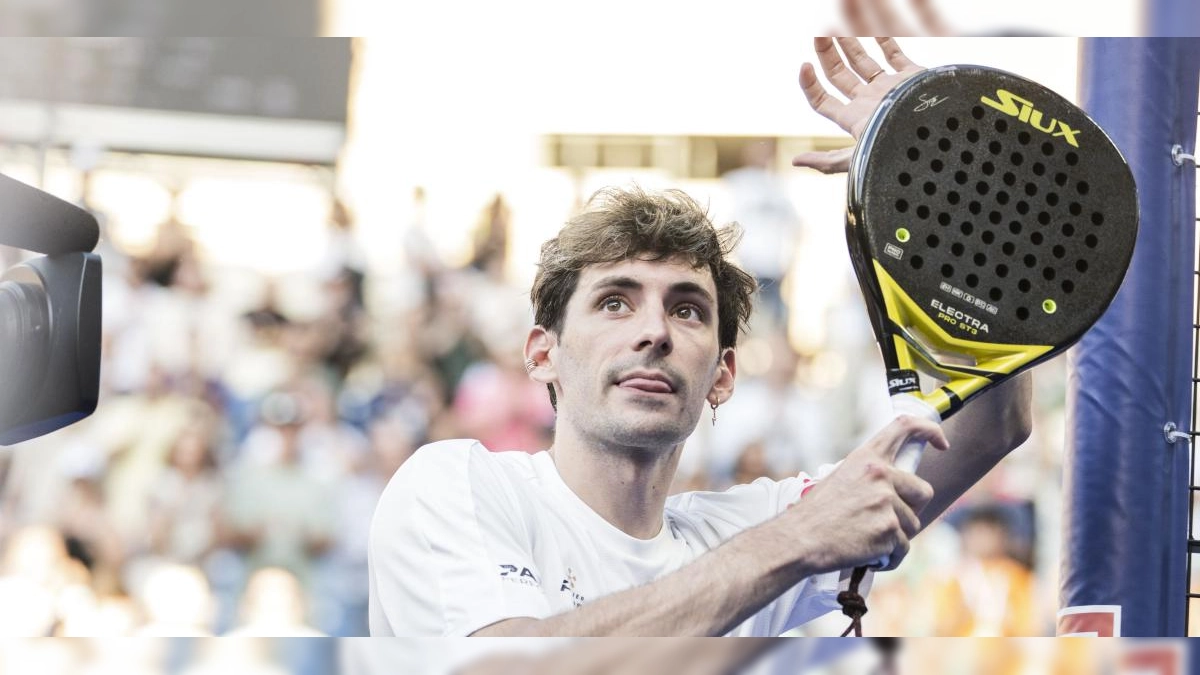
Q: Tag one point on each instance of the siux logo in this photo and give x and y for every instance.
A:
(1025, 112)
(903, 383)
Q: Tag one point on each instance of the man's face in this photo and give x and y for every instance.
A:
(639, 353)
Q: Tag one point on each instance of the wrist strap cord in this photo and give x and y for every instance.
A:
(853, 604)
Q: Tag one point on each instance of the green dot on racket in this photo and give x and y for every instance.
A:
(1049, 306)
(902, 235)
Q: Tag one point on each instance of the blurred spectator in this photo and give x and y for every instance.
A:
(491, 237)
(172, 242)
(989, 594)
(124, 657)
(261, 364)
(177, 602)
(36, 573)
(446, 340)
(399, 382)
(751, 465)
(91, 537)
(341, 320)
(499, 405)
(244, 657)
(329, 447)
(342, 323)
(137, 431)
(344, 258)
(276, 513)
(107, 616)
(339, 592)
(418, 251)
(45, 657)
(772, 228)
(185, 502)
(273, 606)
(787, 422)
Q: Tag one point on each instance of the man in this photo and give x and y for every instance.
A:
(638, 312)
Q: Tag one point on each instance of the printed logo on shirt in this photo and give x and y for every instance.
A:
(568, 586)
(521, 575)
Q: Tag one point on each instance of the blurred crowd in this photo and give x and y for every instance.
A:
(226, 482)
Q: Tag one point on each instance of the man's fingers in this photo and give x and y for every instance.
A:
(907, 428)
(857, 19)
(914, 492)
(834, 67)
(898, 553)
(895, 58)
(860, 62)
(829, 162)
(820, 100)
(887, 21)
(930, 19)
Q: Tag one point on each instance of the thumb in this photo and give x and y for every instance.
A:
(828, 162)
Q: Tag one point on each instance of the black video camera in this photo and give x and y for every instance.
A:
(49, 314)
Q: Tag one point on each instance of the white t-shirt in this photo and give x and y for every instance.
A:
(464, 537)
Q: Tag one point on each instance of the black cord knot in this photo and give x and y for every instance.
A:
(853, 604)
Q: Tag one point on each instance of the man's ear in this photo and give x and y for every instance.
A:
(722, 387)
(539, 348)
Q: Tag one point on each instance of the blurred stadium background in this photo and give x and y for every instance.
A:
(316, 259)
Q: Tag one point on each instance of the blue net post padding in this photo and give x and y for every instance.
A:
(1171, 18)
(1125, 487)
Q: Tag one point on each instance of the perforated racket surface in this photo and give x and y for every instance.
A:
(990, 223)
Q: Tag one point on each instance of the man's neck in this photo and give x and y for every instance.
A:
(625, 486)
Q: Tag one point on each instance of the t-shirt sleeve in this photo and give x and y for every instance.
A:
(718, 516)
(747, 505)
(449, 549)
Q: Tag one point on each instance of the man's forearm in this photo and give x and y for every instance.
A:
(710, 596)
(981, 435)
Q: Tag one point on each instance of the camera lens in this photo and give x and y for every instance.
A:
(24, 339)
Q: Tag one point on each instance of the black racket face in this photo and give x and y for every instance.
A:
(1000, 208)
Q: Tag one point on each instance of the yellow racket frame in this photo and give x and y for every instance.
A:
(921, 338)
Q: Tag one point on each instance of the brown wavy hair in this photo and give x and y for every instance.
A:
(625, 223)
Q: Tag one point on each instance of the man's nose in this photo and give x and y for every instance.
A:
(655, 333)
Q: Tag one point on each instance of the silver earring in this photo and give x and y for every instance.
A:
(530, 364)
(714, 409)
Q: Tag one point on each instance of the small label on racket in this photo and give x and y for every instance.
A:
(974, 300)
(894, 251)
(902, 381)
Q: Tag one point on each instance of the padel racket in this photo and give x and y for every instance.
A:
(990, 223)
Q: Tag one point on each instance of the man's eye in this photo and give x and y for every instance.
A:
(688, 312)
(612, 304)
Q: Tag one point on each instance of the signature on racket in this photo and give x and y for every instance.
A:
(929, 101)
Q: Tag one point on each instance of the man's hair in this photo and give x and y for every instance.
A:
(626, 223)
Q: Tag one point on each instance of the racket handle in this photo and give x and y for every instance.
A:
(909, 455)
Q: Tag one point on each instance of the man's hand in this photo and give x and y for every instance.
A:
(879, 17)
(864, 83)
(867, 508)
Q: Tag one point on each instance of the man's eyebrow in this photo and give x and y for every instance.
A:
(617, 281)
(692, 287)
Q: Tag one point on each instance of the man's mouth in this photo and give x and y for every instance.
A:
(654, 383)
